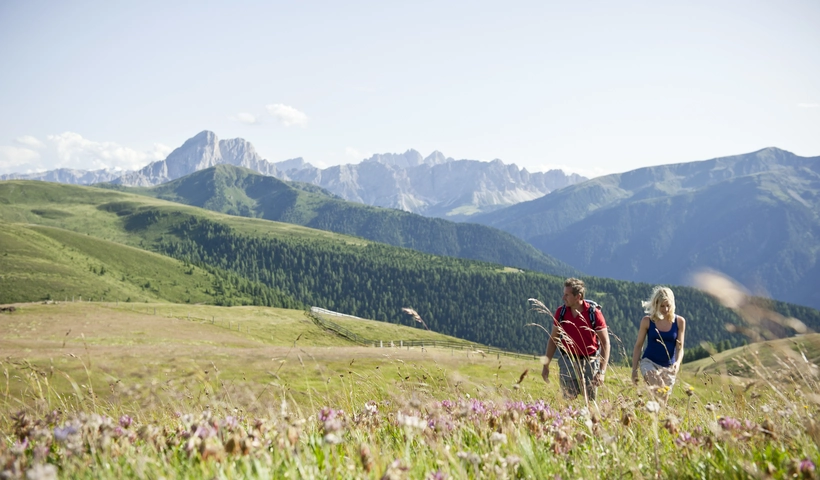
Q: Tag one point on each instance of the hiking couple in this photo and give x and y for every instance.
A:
(581, 337)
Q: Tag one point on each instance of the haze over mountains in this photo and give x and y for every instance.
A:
(435, 185)
(755, 217)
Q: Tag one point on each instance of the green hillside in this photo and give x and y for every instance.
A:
(764, 359)
(479, 302)
(239, 191)
(753, 217)
(48, 263)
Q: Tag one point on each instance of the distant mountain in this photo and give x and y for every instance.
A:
(434, 186)
(755, 217)
(199, 152)
(240, 191)
(67, 175)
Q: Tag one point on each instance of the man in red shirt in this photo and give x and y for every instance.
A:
(579, 332)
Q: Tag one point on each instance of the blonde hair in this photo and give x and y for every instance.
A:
(659, 295)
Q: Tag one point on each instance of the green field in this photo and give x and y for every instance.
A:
(104, 390)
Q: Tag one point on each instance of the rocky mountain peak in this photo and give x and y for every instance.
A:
(410, 158)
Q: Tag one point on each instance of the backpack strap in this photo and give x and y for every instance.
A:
(593, 321)
(563, 311)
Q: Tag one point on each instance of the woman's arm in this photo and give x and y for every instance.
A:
(636, 352)
(679, 344)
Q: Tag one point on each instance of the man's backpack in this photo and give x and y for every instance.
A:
(591, 313)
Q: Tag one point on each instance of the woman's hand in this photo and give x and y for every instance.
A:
(635, 376)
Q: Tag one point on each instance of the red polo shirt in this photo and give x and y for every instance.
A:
(578, 337)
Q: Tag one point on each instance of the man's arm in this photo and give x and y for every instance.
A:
(552, 345)
(603, 340)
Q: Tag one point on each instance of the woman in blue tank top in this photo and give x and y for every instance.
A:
(662, 331)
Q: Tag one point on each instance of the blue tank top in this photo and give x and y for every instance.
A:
(660, 346)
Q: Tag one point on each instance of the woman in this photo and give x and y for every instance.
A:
(663, 333)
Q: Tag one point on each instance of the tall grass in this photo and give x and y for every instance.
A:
(410, 417)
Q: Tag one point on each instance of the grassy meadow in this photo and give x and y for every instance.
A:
(150, 379)
(165, 390)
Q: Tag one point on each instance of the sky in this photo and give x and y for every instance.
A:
(591, 87)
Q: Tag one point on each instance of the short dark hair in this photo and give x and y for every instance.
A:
(577, 286)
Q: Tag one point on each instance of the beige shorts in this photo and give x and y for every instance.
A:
(656, 375)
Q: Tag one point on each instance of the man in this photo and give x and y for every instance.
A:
(583, 342)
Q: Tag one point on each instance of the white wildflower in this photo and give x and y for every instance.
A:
(653, 406)
(411, 421)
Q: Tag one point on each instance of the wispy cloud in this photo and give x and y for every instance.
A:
(30, 141)
(71, 150)
(287, 115)
(74, 151)
(808, 105)
(246, 118)
(16, 157)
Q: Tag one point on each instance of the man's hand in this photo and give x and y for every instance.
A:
(598, 378)
(545, 372)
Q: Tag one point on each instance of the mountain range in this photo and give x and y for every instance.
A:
(434, 186)
(755, 217)
(240, 191)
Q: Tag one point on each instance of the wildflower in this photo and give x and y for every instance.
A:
(653, 406)
(685, 438)
(125, 421)
(61, 434)
(437, 475)
(230, 423)
(411, 422)
(42, 472)
(498, 438)
(469, 457)
(806, 467)
(690, 391)
(710, 407)
(395, 471)
(729, 423)
(371, 408)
